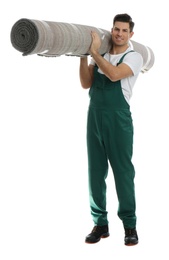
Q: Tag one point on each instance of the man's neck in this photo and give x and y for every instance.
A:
(118, 49)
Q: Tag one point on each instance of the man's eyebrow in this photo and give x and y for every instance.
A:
(117, 28)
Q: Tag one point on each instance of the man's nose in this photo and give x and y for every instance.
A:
(120, 32)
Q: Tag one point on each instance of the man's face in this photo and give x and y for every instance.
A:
(121, 33)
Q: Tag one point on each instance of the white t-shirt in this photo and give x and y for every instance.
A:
(134, 60)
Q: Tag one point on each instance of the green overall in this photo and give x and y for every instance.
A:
(110, 139)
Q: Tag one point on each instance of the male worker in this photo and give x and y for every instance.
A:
(110, 78)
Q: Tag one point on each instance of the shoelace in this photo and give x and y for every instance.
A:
(130, 232)
(97, 229)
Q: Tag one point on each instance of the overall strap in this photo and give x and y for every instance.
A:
(102, 56)
(120, 61)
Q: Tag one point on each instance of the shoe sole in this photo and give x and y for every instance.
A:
(131, 244)
(103, 236)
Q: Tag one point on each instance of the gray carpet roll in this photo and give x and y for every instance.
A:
(25, 36)
(53, 39)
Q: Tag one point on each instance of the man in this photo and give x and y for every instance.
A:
(111, 78)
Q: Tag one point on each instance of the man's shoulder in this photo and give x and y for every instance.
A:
(132, 54)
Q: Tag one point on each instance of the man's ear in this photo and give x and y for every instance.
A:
(131, 34)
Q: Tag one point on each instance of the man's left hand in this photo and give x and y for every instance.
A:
(96, 43)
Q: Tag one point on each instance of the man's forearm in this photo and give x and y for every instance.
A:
(85, 76)
(106, 67)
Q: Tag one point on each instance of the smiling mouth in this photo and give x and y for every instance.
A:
(119, 39)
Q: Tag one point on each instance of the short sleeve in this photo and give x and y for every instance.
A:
(135, 61)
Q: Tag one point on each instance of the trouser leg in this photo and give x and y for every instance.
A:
(126, 196)
(119, 145)
(97, 169)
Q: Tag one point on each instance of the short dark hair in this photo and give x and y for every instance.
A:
(125, 18)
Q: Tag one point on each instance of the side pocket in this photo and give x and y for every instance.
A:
(125, 121)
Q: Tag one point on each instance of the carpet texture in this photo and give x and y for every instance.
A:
(52, 39)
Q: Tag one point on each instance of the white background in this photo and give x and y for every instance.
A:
(44, 209)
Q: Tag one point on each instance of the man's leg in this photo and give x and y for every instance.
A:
(97, 168)
(118, 137)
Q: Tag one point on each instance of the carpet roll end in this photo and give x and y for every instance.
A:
(24, 36)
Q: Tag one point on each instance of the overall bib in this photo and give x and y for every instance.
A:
(110, 139)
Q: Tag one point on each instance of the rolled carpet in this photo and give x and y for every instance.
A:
(53, 39)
